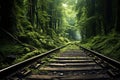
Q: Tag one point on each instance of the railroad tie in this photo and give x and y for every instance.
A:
(73, 67)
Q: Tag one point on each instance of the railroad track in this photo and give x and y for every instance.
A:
(81, 64)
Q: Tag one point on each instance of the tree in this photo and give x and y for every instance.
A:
(98, 19)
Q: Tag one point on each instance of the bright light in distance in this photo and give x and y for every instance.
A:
(64, 5)
(76, 1)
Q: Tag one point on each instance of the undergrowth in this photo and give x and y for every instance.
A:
(108, 45)
(20, 53)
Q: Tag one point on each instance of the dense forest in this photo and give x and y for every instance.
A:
(31, 27)
(28, 28)
(98, 21)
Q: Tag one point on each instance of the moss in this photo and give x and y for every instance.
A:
(108, 45)
(27, 49)
(70, 47)
(29, 55)
(37, 40)
(11, 49)
(33, 36)
(7, 49)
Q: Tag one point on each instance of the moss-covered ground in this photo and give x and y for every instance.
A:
(108, 45)
(12, 52)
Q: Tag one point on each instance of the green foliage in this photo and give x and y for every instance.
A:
(43, 17)
(27, 49)
(97, 26)
(7, 49)
(107, 45)
(29, 55)
(38, 26)
(13, 49)
(69, 19)
(23, 25)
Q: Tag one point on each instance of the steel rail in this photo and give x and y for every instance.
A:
(105, 58)
(14, 68)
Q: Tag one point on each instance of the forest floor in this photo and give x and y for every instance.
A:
(12, 52)
(108, 45)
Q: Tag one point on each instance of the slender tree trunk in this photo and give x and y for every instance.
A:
(107, 16)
